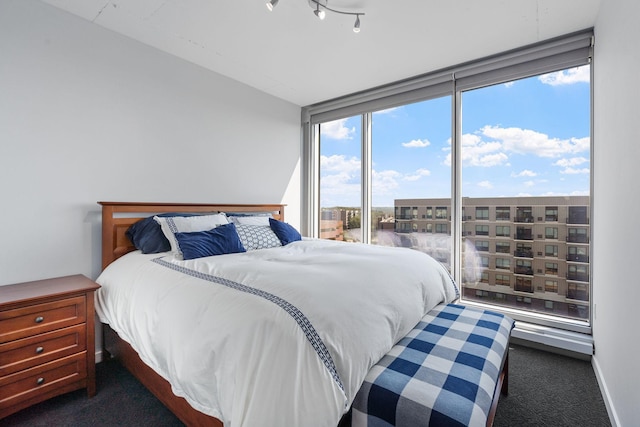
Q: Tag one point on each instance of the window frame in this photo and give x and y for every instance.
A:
(563, 52)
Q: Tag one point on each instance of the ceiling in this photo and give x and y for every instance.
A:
(291, 54)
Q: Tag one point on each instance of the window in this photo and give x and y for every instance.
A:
(482, 245)
(551, 250)
(503, 279)
(482, 213)
(503, 231)
(503, 213)
(503, 247)
(551, 268)
(520, 147)
(551, 232)
(482, 230)
(442, 228)
(441, 213)
(551, 286)
(503, 263)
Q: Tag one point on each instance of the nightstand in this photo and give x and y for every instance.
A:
(47, 340)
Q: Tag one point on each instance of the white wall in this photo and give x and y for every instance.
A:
(88, 115)
(616, 234)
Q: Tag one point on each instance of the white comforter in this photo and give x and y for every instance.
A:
(246, 354)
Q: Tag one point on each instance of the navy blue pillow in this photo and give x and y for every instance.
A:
(285, 232)
(218, 241)
(147, 236)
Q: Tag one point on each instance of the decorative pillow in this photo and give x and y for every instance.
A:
(147, 236)
(218, 241)
(250, 220)
(176, 224)
(257, 236)
(285, 232)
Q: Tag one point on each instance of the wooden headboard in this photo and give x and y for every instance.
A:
(118, 216)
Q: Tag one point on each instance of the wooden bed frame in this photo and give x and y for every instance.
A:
(116, 218)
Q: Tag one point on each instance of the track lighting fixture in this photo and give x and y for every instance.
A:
(319, 9)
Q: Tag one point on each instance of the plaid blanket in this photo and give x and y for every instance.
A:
(443, 373)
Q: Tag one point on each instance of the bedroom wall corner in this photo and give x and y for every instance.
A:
(616, 173)
(89, 115)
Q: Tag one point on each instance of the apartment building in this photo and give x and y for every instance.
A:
(525, 252)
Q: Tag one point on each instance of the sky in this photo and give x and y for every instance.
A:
(528, 137)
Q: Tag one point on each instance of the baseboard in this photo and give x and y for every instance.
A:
(608, 402)
(98, 356)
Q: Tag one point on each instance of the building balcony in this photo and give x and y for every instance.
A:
(577, 220)
(578, 239)
(578, 258)
(579, 295)
(523, 236)
(579, 277)
(523, 253)
(523, 218)
(523, 270)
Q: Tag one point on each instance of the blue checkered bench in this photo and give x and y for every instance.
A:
(448, 371)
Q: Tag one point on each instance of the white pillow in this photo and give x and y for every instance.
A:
(250, 220)
(255, 237)
(186, 224)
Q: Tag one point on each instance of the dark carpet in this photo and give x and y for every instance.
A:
(545, 389)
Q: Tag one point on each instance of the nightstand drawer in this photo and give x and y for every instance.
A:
(43, 379)
(38, 318)
(28, 352)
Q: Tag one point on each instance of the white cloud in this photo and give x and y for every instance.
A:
(485, 184)
(526, 141)
(573, 171)
(417, 143)
(386, 111)
(567, 77)
(417, 175)
(529, 183)
(524, 173)
(509, 84)
(575, 161)
(337, 130)
(384, 182)
(340, 164)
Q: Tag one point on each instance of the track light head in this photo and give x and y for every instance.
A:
(271, 4)
(319, 13)
(356, 26)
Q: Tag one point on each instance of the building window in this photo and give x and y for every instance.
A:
(484, 261)
(482, 213)
(503, 263)
(551, 286)
(503, 231)
(577, 235)
(551, 250)
(482, 245)
(442, 228)
(524, 214)
(551, 268)
(523, 267)
(503, 279)
(551, 214)
(482, 230)
(503, 247)
(429, 228)
(551, 232)
(523, 284)
(503, 213)
(523, 250)
(578, 215)
(429, 212)
(442, 213)
(484, 277)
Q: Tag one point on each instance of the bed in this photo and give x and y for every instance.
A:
(281, 335)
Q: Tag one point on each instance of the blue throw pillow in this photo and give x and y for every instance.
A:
(218, 241)
(285, 232)
(147, 236)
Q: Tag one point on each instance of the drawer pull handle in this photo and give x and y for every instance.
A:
(39, 350)
(39, 319)
(40, 381)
